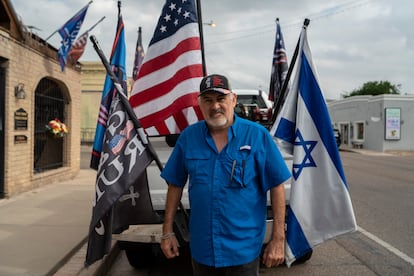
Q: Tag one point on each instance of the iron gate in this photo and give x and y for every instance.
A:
(50, 104)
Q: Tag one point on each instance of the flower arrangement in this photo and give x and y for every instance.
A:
(57, 128)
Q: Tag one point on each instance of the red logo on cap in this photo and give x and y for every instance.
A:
(217, 81)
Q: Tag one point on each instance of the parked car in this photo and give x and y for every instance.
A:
(253, 104)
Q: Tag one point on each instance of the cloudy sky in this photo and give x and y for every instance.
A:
(352, 41)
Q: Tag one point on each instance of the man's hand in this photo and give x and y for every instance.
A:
(274, 253)
(169, 247)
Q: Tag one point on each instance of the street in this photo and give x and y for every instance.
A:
(382, 189)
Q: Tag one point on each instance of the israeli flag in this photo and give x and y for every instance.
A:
(320, 205)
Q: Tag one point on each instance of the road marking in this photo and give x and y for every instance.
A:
(388, 246)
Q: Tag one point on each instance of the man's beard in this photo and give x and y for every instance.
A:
(217, 122)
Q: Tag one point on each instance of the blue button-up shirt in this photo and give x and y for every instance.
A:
(227, 190)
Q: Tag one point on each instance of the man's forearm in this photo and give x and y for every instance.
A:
(277, 196)
(174, 194)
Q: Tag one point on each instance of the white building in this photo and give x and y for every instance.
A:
(380, 123)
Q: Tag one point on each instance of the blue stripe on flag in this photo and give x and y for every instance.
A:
(312, 96)
(286, 130)
(295, 237)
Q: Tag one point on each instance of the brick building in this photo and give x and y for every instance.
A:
(33, 91)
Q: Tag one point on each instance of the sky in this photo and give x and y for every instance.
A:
(352, 41)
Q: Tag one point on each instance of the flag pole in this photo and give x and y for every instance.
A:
(63, 24)
(131, 113)
(200, 29)
(94, 25)
(289, 73)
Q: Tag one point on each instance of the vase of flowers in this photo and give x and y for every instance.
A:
(56, 128)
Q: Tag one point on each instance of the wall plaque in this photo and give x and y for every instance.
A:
(20, 139)
(20, 119)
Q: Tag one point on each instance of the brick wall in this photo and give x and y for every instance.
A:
(28, 65)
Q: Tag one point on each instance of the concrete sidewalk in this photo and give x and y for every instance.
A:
(41, 229)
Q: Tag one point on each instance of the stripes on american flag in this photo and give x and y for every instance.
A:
(165, 94)
(78, 48)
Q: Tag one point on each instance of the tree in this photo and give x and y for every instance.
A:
(375, 88)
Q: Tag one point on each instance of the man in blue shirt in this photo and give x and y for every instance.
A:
(231, 163)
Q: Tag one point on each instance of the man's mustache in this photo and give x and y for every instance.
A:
(215, 111)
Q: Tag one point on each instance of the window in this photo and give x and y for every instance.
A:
(359, 126)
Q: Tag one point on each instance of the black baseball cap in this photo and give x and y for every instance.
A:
(216, 83)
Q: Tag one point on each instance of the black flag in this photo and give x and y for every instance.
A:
(128, 209)
(123, 164)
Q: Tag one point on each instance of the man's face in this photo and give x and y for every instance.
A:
(218, 109)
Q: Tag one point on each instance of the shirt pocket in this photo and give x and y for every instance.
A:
(198, 166)
(240, 167)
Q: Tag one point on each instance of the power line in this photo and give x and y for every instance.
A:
(264, 29)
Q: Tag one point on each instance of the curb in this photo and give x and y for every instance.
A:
(74, 262)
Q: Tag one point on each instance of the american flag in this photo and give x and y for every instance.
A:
(279, 66)
(164, 96)
(78, 47)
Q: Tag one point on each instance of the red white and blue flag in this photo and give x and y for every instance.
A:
(69, 32)
(164, 96)
(279, 66)
(320, 206)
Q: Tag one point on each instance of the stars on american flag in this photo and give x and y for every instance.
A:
(174, 16)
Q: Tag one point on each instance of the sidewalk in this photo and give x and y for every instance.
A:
(41, 229)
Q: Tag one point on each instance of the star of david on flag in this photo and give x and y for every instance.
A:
(320, 206)
(307, 160)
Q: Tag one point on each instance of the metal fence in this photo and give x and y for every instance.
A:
(49, 105)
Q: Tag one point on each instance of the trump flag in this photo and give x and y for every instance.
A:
(69, 32)
(320, 205)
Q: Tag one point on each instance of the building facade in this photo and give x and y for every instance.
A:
(380, 123)
(92, 83)
(33, 92)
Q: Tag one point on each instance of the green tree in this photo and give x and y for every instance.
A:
(375, 88)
